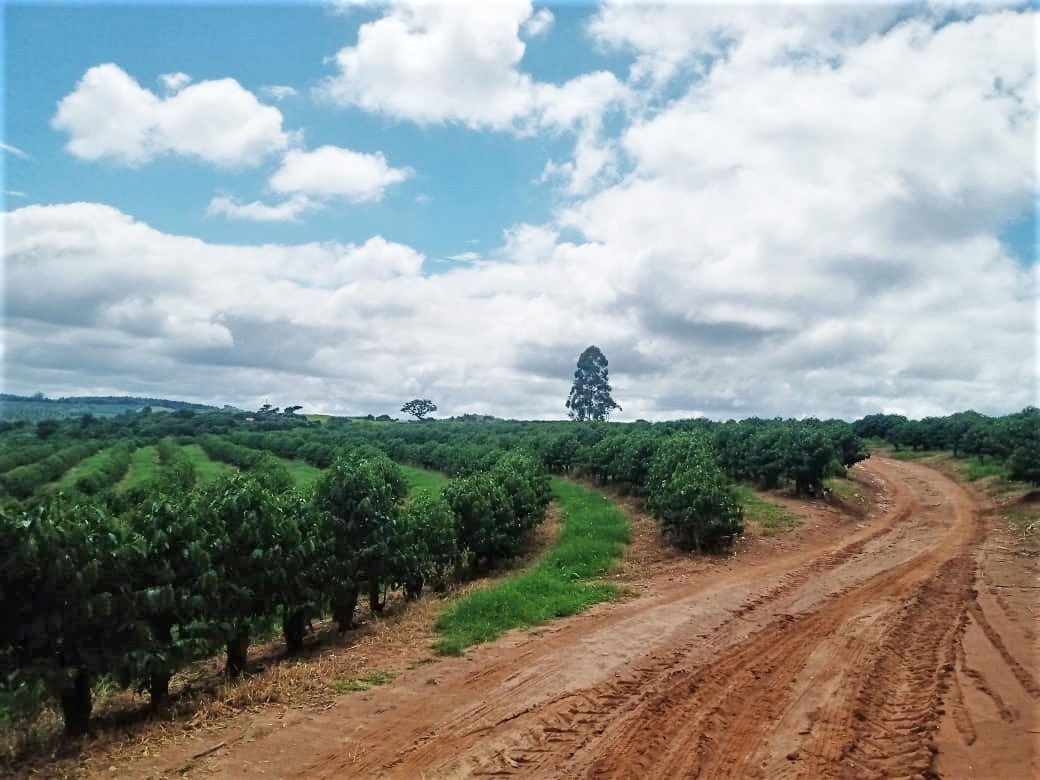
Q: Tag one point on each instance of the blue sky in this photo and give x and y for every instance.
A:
(766, 209)
(258, 45)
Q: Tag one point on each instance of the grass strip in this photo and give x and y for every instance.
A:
(304, 475)
(206, 469)
(770, 517)
(144, 466)
(421, 479)
(562, 582)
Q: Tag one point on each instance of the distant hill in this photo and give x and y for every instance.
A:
(37, 407)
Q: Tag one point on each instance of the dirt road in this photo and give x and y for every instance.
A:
(868, 655)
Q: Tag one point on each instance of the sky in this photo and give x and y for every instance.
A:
(753, 210)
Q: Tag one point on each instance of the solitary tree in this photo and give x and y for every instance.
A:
(590, 395)
(419, 408)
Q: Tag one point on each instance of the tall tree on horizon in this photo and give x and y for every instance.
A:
(590, 397)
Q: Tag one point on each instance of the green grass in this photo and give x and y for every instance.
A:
(421, 479)
(770, 517)
(85, 466)
(914, 454)
(303, 474)
(144, 466)
(206, 469)
(355, 684)
(562, 582)
(973, 468)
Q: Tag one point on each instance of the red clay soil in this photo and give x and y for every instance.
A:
(899, 646)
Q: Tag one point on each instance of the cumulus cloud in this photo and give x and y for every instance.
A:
(538, 23)
(459, 62)
(809, 224)
(430, 62)
(174, 81)
(436, 63)
(334, 171)
(287, 211)
(278, 91)
(110, 116)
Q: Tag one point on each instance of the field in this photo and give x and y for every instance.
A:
(550, 599)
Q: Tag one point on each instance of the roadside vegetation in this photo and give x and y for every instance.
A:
(562, 582)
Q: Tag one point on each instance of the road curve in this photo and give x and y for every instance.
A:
(827, 661)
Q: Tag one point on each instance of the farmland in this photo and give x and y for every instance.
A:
(151, 548)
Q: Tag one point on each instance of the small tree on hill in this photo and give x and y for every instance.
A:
(590, 394)
(419, 408)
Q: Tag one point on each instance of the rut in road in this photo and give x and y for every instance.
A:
(833, 666)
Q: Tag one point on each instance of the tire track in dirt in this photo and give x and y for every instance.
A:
(826, 661)
(732, 703)
(639, 721)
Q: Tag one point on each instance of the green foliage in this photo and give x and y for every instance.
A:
(358, 684)
(67, 605)
(594, 534)
(357, 500)
(255, 530)
(23, 481)
(426, 549)
(483, 519)
(590, 397)
(102, 470)
(496, 509)
(689, 495)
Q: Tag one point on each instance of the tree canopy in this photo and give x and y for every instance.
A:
(590, 397)
(419, 408)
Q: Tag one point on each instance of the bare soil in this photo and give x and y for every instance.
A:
(897, 644)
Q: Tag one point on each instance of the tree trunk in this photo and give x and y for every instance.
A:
(159, 681)
(413, 588)
(293, 625)
(76, 704)
(237, 654)
(374, 602)
(159, 689)
(343, 608)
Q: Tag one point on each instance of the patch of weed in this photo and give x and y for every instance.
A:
(595, 531)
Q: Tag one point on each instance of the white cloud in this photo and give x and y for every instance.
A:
(14, 150)
(278, 92)
(15, 194)
(539, 23)
(173, 82)
(287, 211)
(434, 63)
(110, 116)
(331, 171)
(456, 62)
(809, 224)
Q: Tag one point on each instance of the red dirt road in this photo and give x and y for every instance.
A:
(905, 648)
